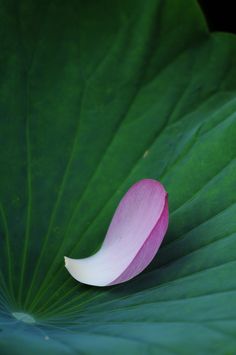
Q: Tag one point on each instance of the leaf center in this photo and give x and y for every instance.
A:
(24, 317)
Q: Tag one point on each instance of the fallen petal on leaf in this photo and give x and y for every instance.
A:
(133, 238)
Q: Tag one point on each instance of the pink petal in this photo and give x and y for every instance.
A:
(133, 238)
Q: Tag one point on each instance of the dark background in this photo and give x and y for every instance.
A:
(220, 16)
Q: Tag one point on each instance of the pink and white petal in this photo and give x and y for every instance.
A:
(133, 238)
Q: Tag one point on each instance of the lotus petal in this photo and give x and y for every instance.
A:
(133, 238)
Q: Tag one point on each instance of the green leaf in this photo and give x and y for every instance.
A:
(94, 96)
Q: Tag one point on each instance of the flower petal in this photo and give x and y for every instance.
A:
(133, 238)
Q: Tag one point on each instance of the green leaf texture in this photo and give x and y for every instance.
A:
(95, 95)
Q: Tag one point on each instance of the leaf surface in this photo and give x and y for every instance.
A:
(95, 96)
